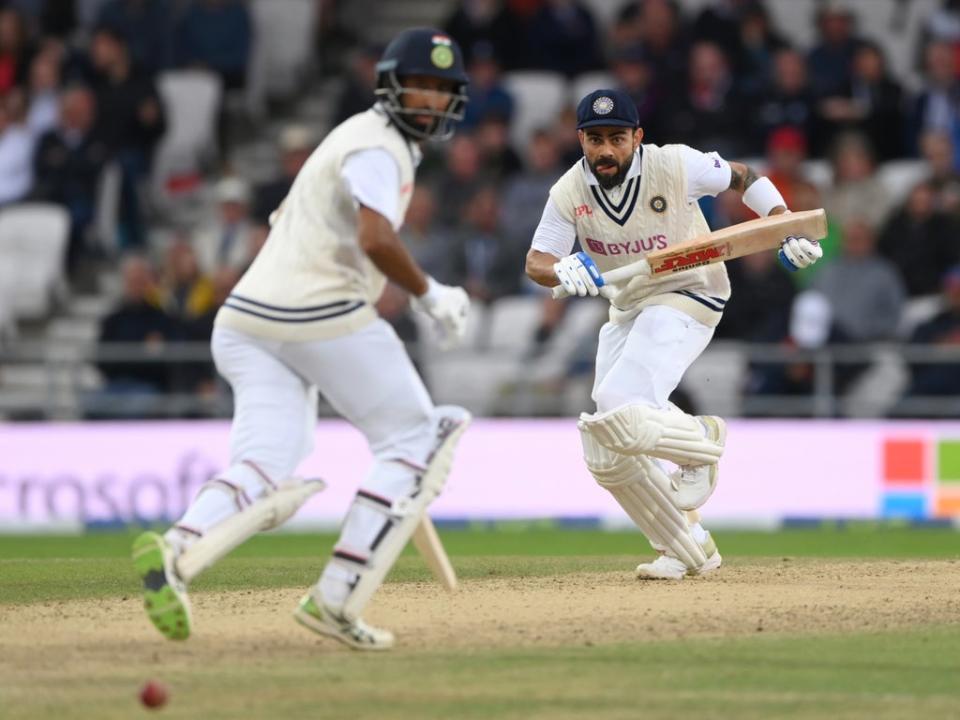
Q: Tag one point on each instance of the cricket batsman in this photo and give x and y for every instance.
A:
(302, 320)
(621, 200)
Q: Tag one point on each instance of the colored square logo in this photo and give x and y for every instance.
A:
(903, 462)
(908, 505)
(948, 505)
(948, 461)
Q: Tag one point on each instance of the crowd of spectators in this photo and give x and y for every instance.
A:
(78, 87)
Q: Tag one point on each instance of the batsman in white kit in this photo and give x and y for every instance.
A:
(302, 320)
(623, 200)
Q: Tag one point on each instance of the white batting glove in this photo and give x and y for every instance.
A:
(579, 275)
(797, 253)
(448, 307)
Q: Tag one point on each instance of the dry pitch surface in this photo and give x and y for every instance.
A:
(569, 645)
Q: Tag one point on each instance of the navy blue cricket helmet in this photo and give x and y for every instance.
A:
(427, 52)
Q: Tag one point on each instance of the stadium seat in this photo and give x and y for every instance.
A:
(917, 311)
(33, 242)
(283, 31)
(539, 97)
(588, 82)
(900, 176)
(191, 99)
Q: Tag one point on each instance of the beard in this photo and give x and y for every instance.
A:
(608, 182)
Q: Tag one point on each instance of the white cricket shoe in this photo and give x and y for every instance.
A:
(356, 633)
(667, 567)
(692, 485)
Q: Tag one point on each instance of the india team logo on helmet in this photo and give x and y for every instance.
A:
(442, 53)
(603, 105)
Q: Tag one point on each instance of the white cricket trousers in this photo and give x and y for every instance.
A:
(366, 376)
(644, 360)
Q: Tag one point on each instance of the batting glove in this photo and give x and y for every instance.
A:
(448, 307)
(579, 275)
(798, 252)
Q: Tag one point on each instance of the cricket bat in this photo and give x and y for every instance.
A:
(428, 543)
(732, 242)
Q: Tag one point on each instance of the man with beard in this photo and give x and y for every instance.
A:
(621, 201)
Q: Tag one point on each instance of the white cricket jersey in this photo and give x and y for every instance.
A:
(312, 280)
(655, 207)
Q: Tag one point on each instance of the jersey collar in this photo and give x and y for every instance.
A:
(633, 172)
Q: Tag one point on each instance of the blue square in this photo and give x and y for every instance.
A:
(912, 505)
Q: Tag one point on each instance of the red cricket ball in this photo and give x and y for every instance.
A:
(153, 694)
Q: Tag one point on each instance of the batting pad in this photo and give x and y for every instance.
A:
(641, 430)
(637, 483)
(377, 527)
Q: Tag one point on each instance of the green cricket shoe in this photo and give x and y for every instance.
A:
(164, 594)
(356, 633)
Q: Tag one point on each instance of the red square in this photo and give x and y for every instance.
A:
(903, 461)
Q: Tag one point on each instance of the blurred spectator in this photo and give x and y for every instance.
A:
(130, 119)
(921, 240)
(759, 307)
(462, 179)
(786, 151)
(429, 246)
(719, 22)
(483, 263)
(856, 187)
(43, 91)
(757, 45)
(865, 290)
(334, 34)
(525, 194)
(937, 107)
(831, 59)
(55, 18)
(147, 28)
(227, 240)
(940, 379)
(499, 159)
(485, 22)
(487, 94)
(634, 74)
(707, 114)
(16, 51)
(872, 105)
(357, 94)
(564, 131)
(67, 166)
(943, 24)
(217, 35)
(938, 151)
(138, 319)
(789, 101)
(296, 144)
(186, 292)
(17, 144)
(563, 37)
(656, 25)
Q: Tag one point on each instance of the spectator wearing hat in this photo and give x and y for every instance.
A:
(228, 241)
(786, 151)
(940, 379)
(296, 144)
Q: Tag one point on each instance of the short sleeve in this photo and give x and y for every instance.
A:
(707, 173)
(555, 234)
(373, 177)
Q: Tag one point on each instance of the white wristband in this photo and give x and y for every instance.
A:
(762, 197)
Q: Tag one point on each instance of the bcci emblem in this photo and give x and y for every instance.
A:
(603, 105)
(442, 54)
(658, 204)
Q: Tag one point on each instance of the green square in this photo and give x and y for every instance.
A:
(948, 461)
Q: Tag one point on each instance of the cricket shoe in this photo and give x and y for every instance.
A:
(356, 633)
(692, 485)
(666, 567)
(164, 593)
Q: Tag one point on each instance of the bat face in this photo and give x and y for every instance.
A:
(689, 258)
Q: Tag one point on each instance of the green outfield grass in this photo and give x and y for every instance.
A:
(907, 672)
(96, 565)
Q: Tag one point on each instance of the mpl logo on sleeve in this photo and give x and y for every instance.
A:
(684, 260)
